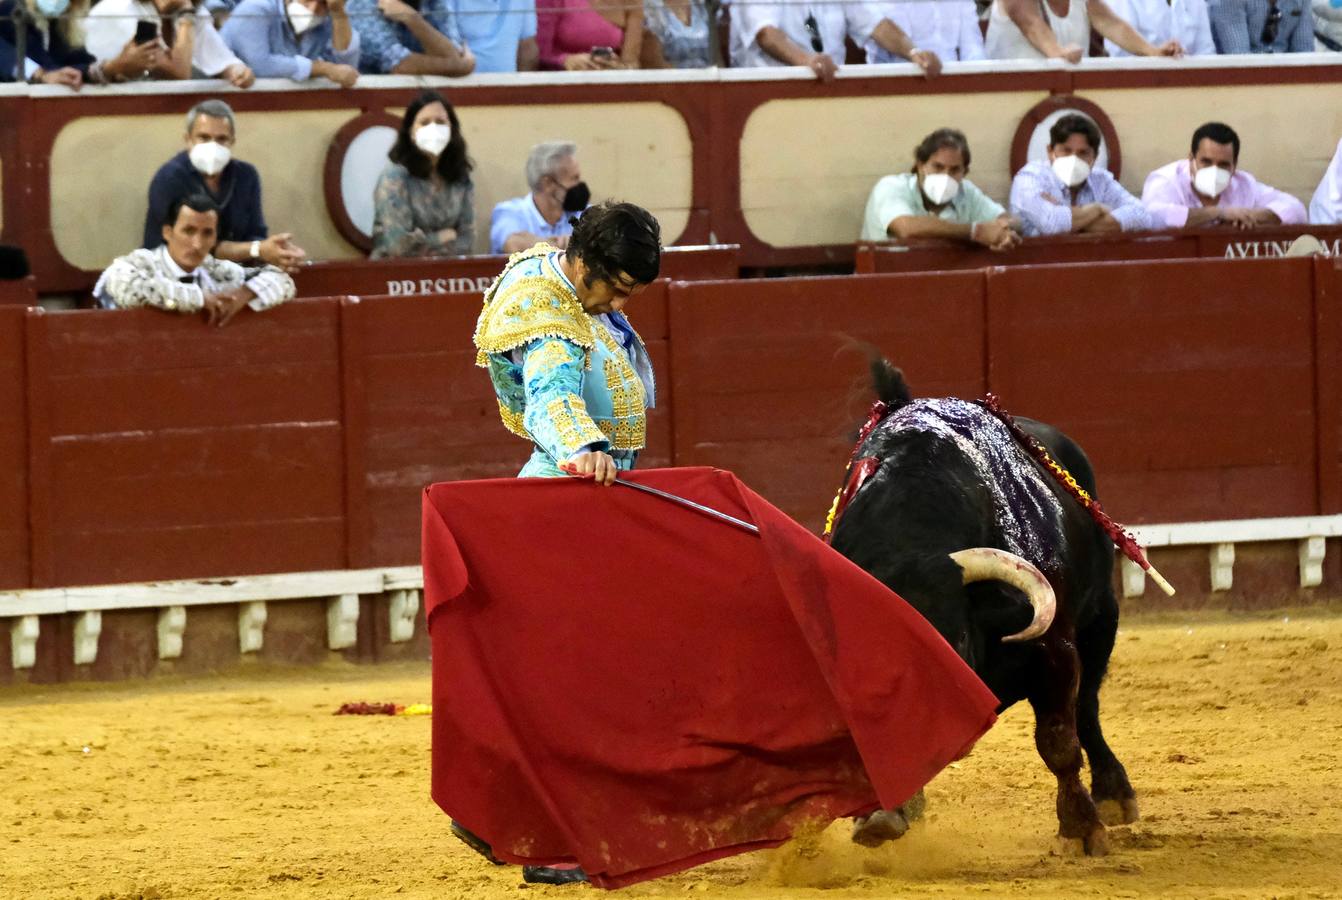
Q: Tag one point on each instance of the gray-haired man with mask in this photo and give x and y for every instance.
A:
(207, 166)
(557, 192)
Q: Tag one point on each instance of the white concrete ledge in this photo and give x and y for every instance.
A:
(1232, 531)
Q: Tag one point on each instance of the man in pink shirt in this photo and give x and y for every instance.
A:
(1209, 189)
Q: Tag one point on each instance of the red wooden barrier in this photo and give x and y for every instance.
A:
(474, 274)
(764, 386)
(1193, 243)
(13, 451)
(147, 446)
(19, 292)
(170, 449)
(1328, 378)
(1190, 384)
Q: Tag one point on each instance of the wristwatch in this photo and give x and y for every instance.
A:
(255, 250)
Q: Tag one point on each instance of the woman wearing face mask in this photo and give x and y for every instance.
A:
(298, 39)
(424, 201)
(937, 200)
(52, 54)
(1067, 193)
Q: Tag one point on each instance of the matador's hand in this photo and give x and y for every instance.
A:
(601, 466)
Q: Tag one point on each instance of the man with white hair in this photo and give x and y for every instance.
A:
(557, 191)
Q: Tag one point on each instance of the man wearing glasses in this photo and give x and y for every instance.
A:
(1263, 26)
(786, 33)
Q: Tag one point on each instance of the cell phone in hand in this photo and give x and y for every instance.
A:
(146, 32)
(603, 53)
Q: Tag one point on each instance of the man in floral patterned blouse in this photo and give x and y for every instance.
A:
(182, 276)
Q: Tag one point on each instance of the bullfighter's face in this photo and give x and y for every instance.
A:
(600, 295)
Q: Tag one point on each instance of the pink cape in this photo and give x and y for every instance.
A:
(634, 686)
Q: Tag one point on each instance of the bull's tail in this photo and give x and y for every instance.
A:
(888, 381)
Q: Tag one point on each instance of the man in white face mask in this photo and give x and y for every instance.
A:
(1209, 188)
(298, 39)
(207, 166)
(937, 200)
(1067, 193)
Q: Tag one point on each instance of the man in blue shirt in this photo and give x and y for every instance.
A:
(207, 166)
(397, 38)
(557, 191)
(1066, 194)
(1263, 26)
(300, 39)
(501, 33)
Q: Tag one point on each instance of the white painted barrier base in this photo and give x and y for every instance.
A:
(404, 584)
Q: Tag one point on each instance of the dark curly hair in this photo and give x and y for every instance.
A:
(1074, 123)
(611, 238)
(941, 139)
(453, 163)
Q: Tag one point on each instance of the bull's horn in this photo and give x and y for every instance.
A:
(989, 564)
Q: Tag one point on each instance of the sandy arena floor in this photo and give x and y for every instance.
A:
(246, 785)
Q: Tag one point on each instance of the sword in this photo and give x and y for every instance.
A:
(690, 504)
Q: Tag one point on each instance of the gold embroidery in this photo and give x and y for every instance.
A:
(513, 421)
(613, 376)
(530, 308)
(570, 419)
(607, 428)
(548, 356)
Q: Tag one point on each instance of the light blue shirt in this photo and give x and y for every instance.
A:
(260, 33)
(1043, 203)
(493, 29)
(521, 214)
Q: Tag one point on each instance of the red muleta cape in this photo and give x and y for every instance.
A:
(634, 686)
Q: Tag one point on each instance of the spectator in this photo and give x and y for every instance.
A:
(396, 38)
(182, 276)
(937, 200)
(1017, 30)
(675, 35)
(1067, 194)
(948, 28)
(112, 31)
(783, 33)
(1263, 26)
(300, 40)
(579, 36)
(1328, 25)
(207, 166)
(1162, 21)
(52, 54)
(501, 33)
(1208, 188)
(557, 190)
(424, 201)
(1326, 206)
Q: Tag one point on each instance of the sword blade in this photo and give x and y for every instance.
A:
(690, 504)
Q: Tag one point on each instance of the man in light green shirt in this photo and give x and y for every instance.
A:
(936, 200)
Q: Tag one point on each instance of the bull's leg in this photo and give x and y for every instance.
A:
(888, 824)
(1054, 700)
(1109, 785)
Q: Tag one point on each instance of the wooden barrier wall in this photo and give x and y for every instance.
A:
(151, 447)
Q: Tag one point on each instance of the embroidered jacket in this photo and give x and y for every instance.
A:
(567, 380)
(152, 278)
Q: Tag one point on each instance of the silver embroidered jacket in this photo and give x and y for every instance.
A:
(152, 278)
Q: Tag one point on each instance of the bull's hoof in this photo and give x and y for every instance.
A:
(1094, 844)
(879, 828)
(1097, 842)
(914, 808)
(1118, 812)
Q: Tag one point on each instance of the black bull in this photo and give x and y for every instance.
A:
(951, 477)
